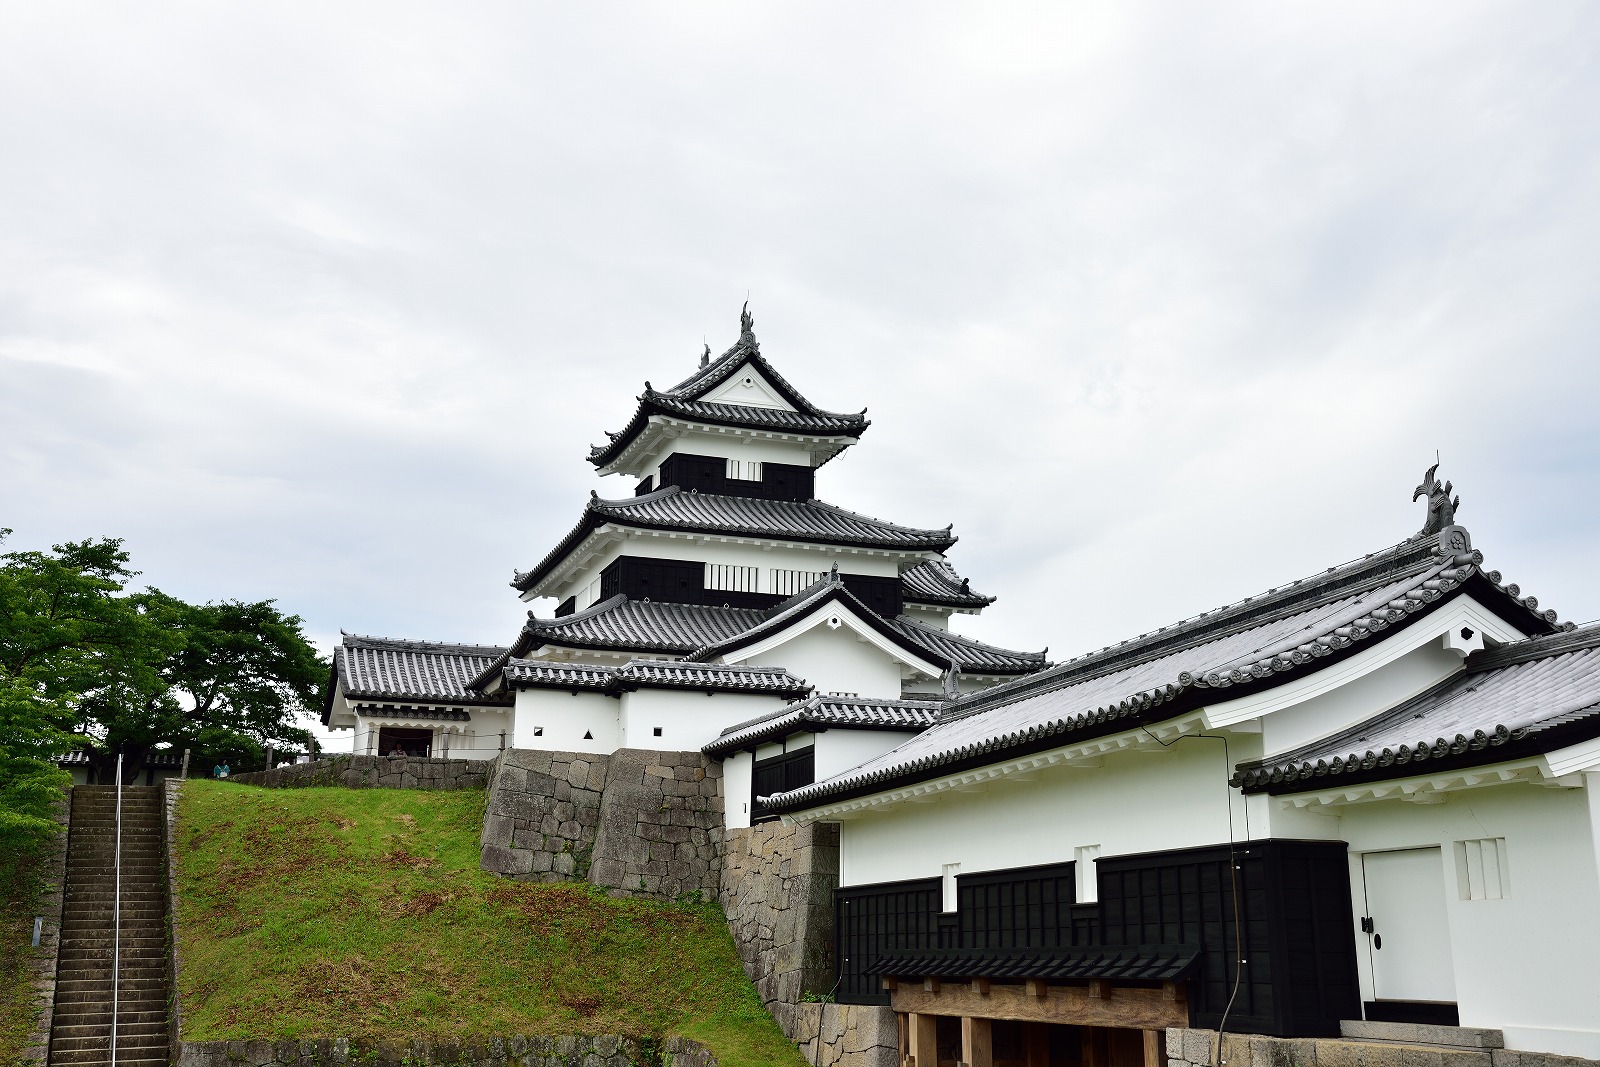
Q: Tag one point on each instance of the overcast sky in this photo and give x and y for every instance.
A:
(1160, 305)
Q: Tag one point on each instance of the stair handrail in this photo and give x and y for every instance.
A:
(116, 920)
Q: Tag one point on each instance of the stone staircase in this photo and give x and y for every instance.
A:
(80, 1035)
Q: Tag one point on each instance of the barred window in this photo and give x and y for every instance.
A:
(788, 583)
(744, 470)
(729, 578)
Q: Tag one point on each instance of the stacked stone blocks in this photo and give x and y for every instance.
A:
(587, 1051)
(1201, 1048)
(373, 772)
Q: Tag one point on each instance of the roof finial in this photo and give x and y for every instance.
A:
(833, 573)
(705, 358)
(747, 322)
(952, 687)
(1441, 507)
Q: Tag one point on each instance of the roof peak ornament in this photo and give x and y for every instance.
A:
(952, 686)
(1442, 513)
(747, 322)
(705, 357)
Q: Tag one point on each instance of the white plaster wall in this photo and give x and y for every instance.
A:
(1361, 698)
(478, 738)
(736, 772)
(689, 720)
(840, 750)
(566, 717)
(1525, 964)
(1143, 801)
(750, 387)
(938, 620)
(835, 661)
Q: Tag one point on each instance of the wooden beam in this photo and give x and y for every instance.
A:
(1037, 987)
(1099, 988)
(930, 985)
(924, 1040)
(980, 986)
(1174, 990)
(890, 984)
(977, 1042)
(1155, 1048)
(1135, 1008)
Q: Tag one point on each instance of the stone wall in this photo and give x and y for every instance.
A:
(602, 1051)
(637, 822)
(374, 772)
(41, 964)
(1200, 1048)
(777, 892)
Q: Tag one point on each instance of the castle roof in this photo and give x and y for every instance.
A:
(653, 674)
(673, 509)
(1522, 698)
(382, 668)
(1254, 644)
(684, 401)
(703, 632)
(827, 711)
(936, 582)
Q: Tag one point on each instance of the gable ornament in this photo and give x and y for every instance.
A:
(1442, 513)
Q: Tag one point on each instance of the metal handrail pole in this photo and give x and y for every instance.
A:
(116, 921)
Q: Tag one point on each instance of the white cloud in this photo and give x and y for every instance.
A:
(1161, 306)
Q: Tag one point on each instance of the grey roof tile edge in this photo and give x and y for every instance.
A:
(934, 581)
(1297, 766)
(1106, 718)
(828, 710)
(653, 674)
(356, 688)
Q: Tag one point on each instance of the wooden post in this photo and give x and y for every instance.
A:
(1155, 1048)
(1094, 1047)
(1036, 1045)
(924, 1040)
(977, 1042)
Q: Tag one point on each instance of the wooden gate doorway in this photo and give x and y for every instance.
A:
(946, 1041)
(406, 742)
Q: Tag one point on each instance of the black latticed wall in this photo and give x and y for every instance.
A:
(1294, 925)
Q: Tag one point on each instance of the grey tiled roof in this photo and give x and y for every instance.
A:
(1253, 644)
(704, 632)
(806, 522)
(1132, 964)
(642, 625)
(827, 710)
(384, 668)
(943, 648)
(1524, 696)
(653, 674)
(684, 400)
(936, 582)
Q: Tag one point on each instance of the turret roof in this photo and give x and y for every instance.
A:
(806, 522)
(684, 400)
(653, 674)
(393, 669)
(827, 711)
(936, 582)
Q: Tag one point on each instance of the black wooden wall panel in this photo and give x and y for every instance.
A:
(675, 581)
(1290, 921)
(874, 921)
(709, 474)
(779, 774)
(884, 595)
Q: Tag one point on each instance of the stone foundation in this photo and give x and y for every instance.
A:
(602, 1051)
(777, 892)
(374, 772)
(637, 822)
(1198, 1048)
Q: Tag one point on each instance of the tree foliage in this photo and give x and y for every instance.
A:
(87, 664)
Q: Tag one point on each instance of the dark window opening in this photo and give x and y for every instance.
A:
(587, 736)
(658, 731)
(398, 741)
(567, 607)
(779, 774)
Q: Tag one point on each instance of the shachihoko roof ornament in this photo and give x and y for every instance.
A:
(1442, 513)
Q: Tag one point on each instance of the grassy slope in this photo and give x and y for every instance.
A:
(337, 912)
(19, 1009)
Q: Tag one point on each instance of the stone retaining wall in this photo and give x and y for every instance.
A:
(1199, 1048)
(374, 772)
(637, 822)
(602, 1051)
(777, 892)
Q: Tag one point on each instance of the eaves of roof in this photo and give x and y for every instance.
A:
(796, 522)
(935, 582)
(653, 674)
(1426, 581)
(381, 668)
(1489, 725)
(826, 712)
(1164, 963)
